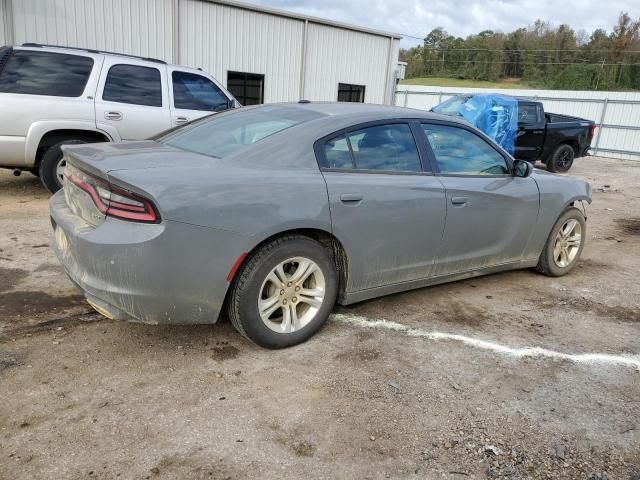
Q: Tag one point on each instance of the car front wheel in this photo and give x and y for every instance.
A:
(564, 244)
(284, 293)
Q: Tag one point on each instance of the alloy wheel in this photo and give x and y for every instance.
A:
(291, 295)
(567, 243)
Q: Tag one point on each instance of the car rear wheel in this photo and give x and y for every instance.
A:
(284, 293)
(561, 159)
(564, 245)
(52, 165)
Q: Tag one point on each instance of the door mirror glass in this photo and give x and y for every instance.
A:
(522, 168)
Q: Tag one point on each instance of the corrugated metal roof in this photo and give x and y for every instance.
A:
(284, 13)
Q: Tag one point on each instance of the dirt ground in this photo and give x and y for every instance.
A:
(86, 397)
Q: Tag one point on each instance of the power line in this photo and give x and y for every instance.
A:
(525, 50)
(439, 61)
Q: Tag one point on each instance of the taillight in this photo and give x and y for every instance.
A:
(593, 130)
(113, 201)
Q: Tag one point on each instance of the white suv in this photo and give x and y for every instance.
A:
(51, 96)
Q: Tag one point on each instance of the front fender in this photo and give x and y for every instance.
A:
(557, 193)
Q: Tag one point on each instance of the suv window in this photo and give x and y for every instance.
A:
(382, 147)
(195, 92)
(133, 84)
(459, 151)
(45, 73)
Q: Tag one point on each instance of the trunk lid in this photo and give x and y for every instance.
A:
(101, 159)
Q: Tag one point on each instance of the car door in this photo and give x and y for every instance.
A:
(530, 136)
(193, 96)
(491, 214)
(386, 210)
(133, 98)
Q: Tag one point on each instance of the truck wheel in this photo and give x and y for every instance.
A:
(564, 245)
(284, 293)
(52, 166)
(561, 159)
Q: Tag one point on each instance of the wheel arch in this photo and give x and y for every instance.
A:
(54, 137)
(324, 237)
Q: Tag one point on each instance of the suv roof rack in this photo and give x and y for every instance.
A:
(90, 50)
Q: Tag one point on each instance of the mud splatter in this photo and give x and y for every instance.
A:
(224, 352)
(10, 277)
(22, 303)
(630, 226)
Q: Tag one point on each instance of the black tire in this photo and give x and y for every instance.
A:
(49, 164)
(561, 159)
(242, 306)
(547, 264)
(35, 171)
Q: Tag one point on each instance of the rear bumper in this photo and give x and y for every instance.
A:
(153, 273)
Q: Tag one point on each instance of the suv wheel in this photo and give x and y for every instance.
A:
(284, 293)
(52, 166)
(561, 159)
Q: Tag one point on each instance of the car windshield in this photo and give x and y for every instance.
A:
(451, 106)
(223, 134)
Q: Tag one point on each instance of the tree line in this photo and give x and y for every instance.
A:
(541, 55)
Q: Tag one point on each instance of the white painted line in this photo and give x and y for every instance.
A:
(585, 358)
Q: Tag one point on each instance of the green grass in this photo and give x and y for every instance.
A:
(455, 82)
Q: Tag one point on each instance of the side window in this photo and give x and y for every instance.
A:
(133, 84)
(45, 73)
(459, 151)
(527, 114)
(337, 153)
(195, 92)
(382, 147)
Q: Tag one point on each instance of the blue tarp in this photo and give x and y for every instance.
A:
(495, 115)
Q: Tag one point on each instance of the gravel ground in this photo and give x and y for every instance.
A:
(376, 394)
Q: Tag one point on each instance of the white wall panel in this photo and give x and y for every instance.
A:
(613, 136)
(138, 27)
(220, 38)
(5, 24)
(344, 56)
(3, 30)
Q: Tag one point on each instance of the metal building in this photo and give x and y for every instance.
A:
(261, 54)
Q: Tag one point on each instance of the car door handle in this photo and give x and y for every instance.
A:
(350, 198)
(181, 120)
(459, 200)
(113, 115)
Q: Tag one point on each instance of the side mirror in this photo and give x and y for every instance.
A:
(522, 168)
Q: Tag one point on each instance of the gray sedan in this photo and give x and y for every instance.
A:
(274, 213)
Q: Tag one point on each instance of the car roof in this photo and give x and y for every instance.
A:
(72, 50)
(360, 112)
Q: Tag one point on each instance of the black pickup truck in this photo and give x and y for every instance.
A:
(553, 139)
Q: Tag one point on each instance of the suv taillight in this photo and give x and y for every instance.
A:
(113, 201)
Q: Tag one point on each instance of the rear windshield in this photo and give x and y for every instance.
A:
(45, 73)
(221, 135)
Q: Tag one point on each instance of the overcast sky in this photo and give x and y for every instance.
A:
(461, 17)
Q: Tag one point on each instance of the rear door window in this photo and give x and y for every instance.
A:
(195, 92)
(45, 73)
(133, 84)
(381, 147)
